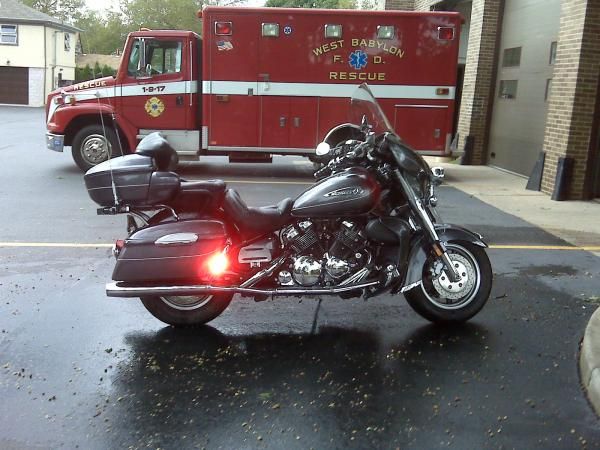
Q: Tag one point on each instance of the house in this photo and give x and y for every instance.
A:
(37, 54)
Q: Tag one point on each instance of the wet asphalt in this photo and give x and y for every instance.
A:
(80, 370)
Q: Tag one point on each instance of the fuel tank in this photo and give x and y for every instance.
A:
(350, 193)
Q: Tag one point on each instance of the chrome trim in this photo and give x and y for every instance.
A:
(177, 239)
(218, 148)
(422, 106)
(411, 286)
(267, 271)
(118, 290)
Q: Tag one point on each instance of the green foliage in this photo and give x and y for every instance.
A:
(87, 73)
(327, 4)
(161, 14)
(66, 10)
(103, 34)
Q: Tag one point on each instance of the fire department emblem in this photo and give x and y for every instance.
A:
(154, 106)
(358, 59)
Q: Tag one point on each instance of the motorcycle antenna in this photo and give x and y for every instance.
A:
(109, 149)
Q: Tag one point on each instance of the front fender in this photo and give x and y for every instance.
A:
(418, 250)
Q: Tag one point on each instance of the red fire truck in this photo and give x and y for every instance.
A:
(263, 81)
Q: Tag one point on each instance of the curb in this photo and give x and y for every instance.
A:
(589, 362)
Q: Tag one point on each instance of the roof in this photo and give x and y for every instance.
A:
(16, 12)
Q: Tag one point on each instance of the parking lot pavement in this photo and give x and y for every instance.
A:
(80, 369)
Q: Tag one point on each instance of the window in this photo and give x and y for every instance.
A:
(508, 89)
(548, 89)
(512, 57)
(164, 56)
(67, 42)
(8, 34)
(161, 57)
(553, 46)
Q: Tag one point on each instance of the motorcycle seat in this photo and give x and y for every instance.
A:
(256, 220)
(199, 195)
(216, 187)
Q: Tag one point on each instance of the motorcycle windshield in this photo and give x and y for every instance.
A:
(364, 105)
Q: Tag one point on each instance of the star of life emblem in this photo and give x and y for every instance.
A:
(358, 59)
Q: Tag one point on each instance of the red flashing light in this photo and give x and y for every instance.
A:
(445, 33)
(217, 264)
(223, 28)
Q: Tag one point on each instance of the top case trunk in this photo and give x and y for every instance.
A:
(136, 182)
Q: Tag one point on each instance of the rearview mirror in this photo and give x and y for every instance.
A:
(323, 149)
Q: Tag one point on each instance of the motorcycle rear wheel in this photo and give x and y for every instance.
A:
(186, 311)
(441, 301)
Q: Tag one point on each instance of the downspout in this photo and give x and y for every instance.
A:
(45, 65)
(54, 60)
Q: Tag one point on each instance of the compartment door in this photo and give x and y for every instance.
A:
(288, 107)
(423, 127)
(230, 86)
(275, 118)
(304, 124)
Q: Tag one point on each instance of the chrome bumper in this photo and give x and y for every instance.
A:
(55, 142)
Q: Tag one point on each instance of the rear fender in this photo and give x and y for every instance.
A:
(418, 251)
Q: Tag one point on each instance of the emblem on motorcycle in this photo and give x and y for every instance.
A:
(154, 106)
(345, 191)
(287, 30)
(358, 59)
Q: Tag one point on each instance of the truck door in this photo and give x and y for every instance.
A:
(288, 110)
(157, 90)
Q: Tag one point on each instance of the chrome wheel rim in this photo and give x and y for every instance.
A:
(187, 303)
(443, 293)
(95, 148)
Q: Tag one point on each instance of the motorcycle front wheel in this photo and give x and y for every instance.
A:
(439, 300)
(186, 311)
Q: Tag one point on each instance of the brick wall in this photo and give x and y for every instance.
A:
(574, 93)
(479, 76)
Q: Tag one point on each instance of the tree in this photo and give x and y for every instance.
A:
(162, 14)
(66, 10)
(103, 34)
(327, 4)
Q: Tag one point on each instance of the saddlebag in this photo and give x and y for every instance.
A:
(137, 182)
(174, 252)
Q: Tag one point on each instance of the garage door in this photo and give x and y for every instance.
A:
(14, 85)
(529, 28)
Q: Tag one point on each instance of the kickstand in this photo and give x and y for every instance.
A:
(316, 318)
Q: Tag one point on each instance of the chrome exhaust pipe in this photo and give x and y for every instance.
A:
(123, 290)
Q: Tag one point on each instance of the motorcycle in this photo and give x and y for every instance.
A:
(367, 227)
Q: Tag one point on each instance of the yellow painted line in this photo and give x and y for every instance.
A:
(53, 244)
(593, 248)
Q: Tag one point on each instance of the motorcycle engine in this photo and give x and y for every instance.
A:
(312, 264)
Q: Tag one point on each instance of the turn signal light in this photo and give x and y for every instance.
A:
(445, 33)
(223, 28)
(218, 264)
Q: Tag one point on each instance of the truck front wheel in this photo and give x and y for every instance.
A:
(93, 145)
